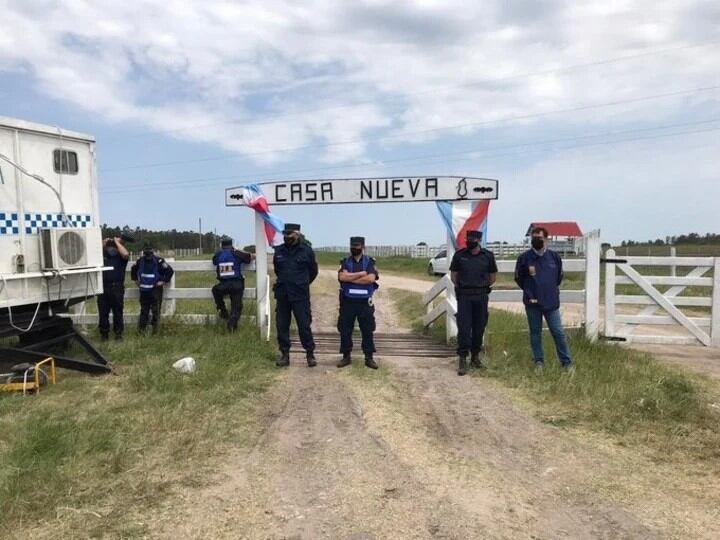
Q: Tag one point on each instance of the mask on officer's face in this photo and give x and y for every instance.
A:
(537, 242)
(148, 254)
(111, 251)
(472, 244)
(356, 251)
(289, 240)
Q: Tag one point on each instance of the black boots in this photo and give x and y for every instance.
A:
(462, 365)
(310, 355)
(370, 362)
(284, 360)
(475, 361)
(345, 361)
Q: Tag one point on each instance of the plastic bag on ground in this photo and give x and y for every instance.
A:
(185, 365)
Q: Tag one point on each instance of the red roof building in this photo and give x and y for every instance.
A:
(557, 229)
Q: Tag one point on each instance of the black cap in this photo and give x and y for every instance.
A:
(126, 238)
(226, 241)
(357, 240)
(474, 234)
(291, 227)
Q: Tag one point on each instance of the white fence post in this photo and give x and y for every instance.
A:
(610, 294)
(592, 285)
(261, 273)
(673, 268)
(450, 320)
(715, 323)
(169, 304)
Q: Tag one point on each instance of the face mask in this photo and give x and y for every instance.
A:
(148, 254)
(111, 251)
(356, 251)
(472, 244)
(288, 240)
(537, 242)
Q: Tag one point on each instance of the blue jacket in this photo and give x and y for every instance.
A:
(539, 276)
(295, 269)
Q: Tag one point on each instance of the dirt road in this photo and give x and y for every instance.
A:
(415, 452)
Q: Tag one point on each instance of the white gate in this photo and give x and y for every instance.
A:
(688, 299)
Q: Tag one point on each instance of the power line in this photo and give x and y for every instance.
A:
(286, 175)
(551, 71)
(148, 183)
(419, 132)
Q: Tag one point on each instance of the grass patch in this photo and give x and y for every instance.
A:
(92, 451)
(615, 390)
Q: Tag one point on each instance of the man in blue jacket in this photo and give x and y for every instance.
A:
(357, 276)
(538, 273)
(228, 268)
(295, 269)
(151, 273)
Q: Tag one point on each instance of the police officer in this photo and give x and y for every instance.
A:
(228, 262)
(357, 276)
(116, 255)
(150, 272)
(473, 270)
(295, 269)
(538, 273)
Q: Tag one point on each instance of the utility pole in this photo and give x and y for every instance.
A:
(200, 234)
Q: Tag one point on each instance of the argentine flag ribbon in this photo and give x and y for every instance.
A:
(462, 216)
(254, 198)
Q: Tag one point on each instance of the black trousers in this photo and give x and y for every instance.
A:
(284, 309)
(472, 318)
(112, 300)
(350, 310)
(150, 306)
(234, 288)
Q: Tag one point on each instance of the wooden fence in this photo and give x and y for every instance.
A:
(172, 294)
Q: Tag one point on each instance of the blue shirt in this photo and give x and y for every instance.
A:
(539, 276)
(295, 269)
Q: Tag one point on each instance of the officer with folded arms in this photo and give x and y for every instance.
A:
(473, 270)
(150, 272)
(228, 265)
(357, 276)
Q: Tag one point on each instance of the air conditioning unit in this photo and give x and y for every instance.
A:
(70, 248)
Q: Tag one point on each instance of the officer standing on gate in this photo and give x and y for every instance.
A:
(228, 265)
(295, 269)
(116, 255)
(357, 276)
(473, 271)
(150, 272)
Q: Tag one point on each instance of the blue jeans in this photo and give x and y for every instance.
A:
(554, 322)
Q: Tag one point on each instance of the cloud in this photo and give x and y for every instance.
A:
(279, 74)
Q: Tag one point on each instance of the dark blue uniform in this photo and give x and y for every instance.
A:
(472, 290)
(113, 297)
(231, 282)
(360, 308)
(295, 268)
(150, 294)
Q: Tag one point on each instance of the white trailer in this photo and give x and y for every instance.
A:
(50, 237)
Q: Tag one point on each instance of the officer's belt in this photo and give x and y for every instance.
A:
(473, 290)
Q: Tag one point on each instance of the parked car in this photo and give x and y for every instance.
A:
(438, 265)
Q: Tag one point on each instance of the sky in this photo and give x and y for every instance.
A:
(606, 113)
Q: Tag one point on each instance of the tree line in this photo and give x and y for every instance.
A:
(683, 239)
(165, 240)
